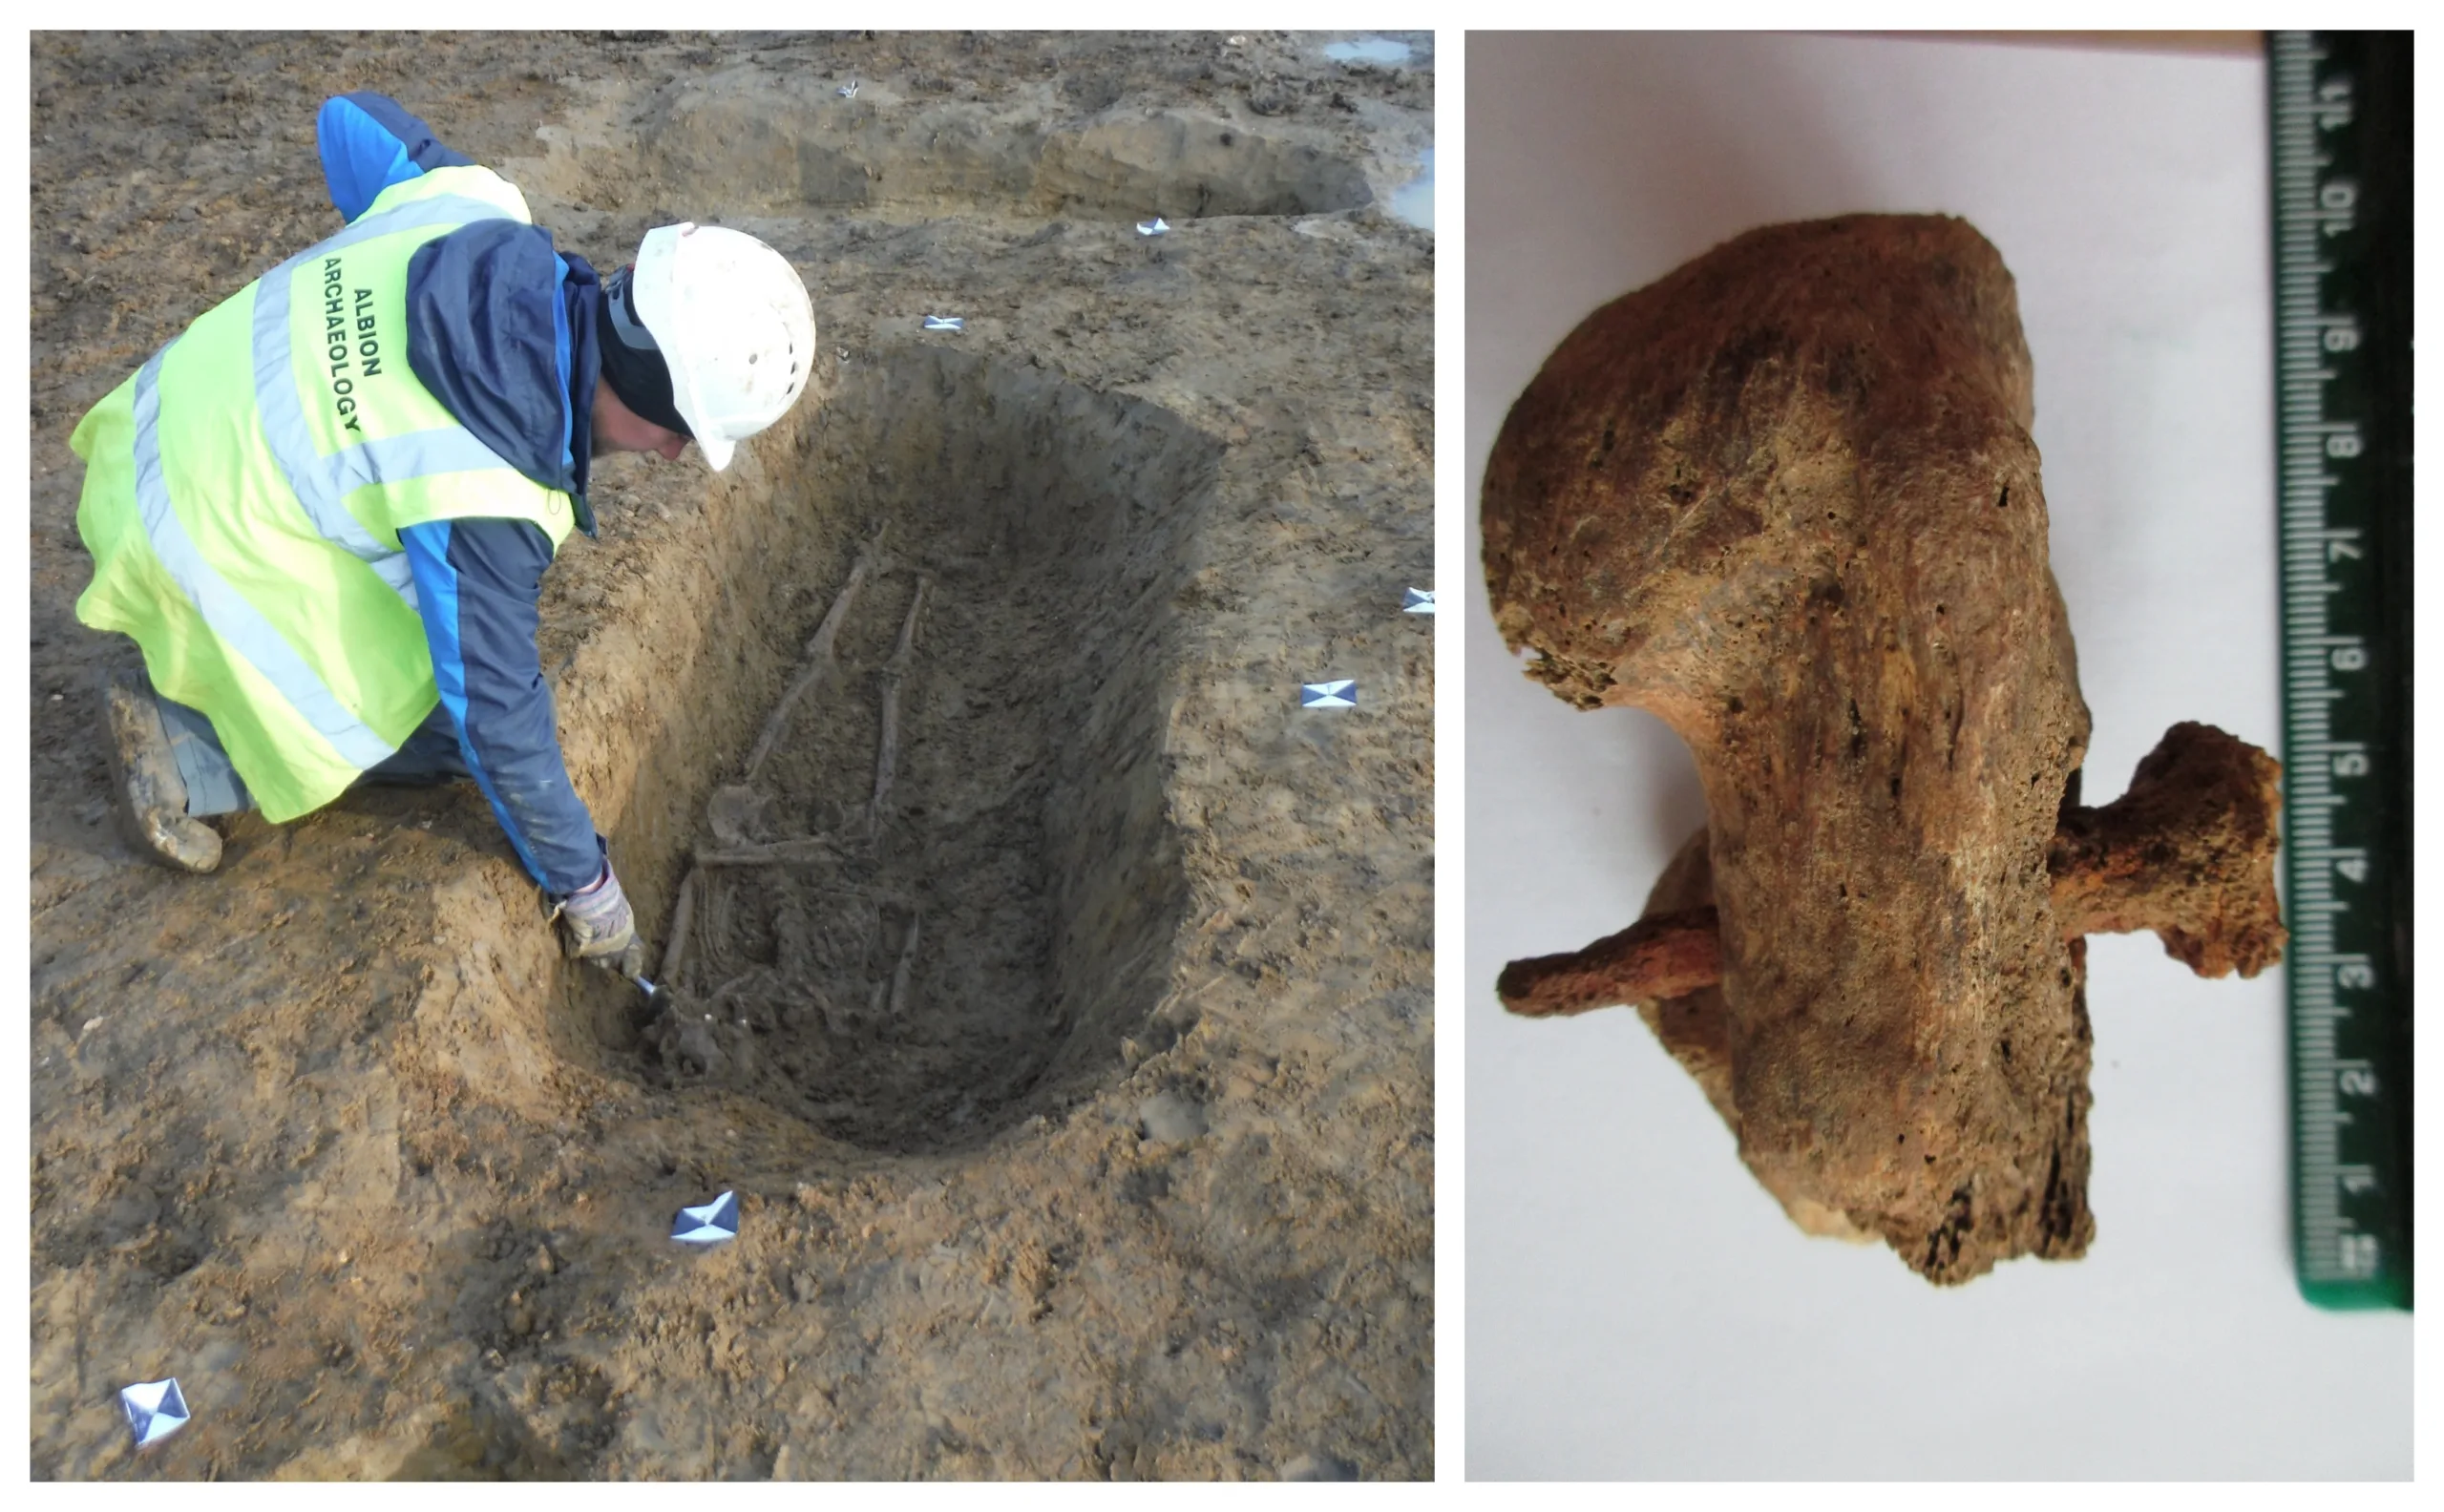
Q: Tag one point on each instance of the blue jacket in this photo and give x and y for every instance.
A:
(502, 329)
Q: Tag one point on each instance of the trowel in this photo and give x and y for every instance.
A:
(630, 965)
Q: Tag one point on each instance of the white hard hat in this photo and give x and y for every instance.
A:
(735, 327)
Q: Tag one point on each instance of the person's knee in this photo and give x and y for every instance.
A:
(212, 781)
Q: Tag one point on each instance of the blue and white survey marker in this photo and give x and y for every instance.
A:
(946, 323)
(847, 90)
(1154, 227)
(155, 1410)
(1418, 601)
(1341, 694)
(712, 1224)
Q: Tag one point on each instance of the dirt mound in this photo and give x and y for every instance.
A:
(1069, 1051)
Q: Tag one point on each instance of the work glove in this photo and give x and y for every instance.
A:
(598, 925)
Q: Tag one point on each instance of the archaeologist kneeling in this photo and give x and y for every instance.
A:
(324, 511)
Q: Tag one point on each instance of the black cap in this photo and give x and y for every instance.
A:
(632, 361)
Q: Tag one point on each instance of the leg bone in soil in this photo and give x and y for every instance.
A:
(736, 813)
(887, 747)
(736, 818)
(1785, 499)
(733, 810)
(674, 950)
(907, 967)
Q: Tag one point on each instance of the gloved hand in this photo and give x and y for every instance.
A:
(598, 925)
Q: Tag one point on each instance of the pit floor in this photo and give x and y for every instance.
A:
(334, 1138)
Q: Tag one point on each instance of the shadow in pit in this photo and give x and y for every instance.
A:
(947, 890)
(788, 147)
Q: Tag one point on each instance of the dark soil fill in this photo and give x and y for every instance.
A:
(1004, 912)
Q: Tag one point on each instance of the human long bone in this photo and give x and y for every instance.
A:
(907, 967)
(732, 804)
(887, 747)
(1785, 499)
(819, 662)
(674, 951)
(2187, 852)
(800, 849)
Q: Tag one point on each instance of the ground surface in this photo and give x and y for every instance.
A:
(1078, 1097)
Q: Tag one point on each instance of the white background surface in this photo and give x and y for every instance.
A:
(1636, 1305)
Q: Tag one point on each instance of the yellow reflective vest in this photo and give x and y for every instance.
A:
(245, 487)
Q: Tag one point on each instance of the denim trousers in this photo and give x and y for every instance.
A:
(429, 755)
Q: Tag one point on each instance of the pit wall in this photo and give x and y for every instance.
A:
(787, 146)
(647, 725)
(510, 1028)
(1097, 497)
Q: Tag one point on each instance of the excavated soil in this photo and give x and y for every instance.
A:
(1070, 1052)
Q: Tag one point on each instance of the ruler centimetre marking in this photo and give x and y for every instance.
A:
(2340, 113)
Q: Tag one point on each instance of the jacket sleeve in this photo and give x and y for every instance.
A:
(488, 332)
(368, 144)
(477, 585)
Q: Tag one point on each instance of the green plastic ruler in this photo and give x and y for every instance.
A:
(2341, 113)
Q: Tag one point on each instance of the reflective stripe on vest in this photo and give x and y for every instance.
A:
(321, 483)
(239, 623)
(248, 541)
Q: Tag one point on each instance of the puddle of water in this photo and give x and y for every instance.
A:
(1414, 201)
(1368, 50)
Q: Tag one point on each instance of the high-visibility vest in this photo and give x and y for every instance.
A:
(244, 490)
